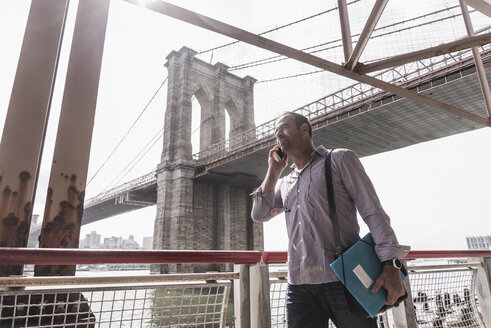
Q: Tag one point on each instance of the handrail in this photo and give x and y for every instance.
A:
(275, 257)
(70, 256)
(127, 186)
(282, 257)
(16, 281)
(447, 254)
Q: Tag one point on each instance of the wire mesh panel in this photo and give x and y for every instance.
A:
(445, 298)
(277, 297)
(179, 305)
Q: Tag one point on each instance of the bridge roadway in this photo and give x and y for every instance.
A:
(376, 124)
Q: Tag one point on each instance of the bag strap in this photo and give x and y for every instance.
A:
(332, 204)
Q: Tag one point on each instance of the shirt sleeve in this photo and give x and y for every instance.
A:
(268, 205)
(362, 191)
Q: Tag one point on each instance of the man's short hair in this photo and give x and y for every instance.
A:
(299, 120)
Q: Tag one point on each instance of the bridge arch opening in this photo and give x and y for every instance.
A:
(195, 125)
(203, 121)
(227, 124)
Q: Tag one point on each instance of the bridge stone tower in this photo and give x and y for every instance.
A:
(194, 214)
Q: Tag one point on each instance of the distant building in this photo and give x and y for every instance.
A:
(130, 243)
(479, 242)
(147, 243)
(92, 240)
(113, 242)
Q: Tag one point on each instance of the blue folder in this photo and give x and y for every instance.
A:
(361, 269)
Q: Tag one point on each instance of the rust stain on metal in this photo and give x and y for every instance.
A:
(62, 222)
(10, 221)
(80, 207)
(49, 204)
(6, 191)
(4, 203)
(15, 216)
(24, 175)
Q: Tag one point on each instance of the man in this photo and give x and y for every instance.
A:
(314, 294)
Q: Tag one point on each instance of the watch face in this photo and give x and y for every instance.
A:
(397, 263)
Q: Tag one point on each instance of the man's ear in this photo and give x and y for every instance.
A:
(305, 129)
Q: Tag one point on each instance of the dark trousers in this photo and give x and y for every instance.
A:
(314, 305)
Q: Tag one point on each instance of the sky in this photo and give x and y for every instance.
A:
(436, 193)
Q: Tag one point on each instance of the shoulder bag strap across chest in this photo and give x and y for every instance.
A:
(332, 204)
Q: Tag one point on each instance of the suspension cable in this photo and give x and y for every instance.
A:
(150, 144)
(127, 132)
(277, 58)
(318, 50)
(291, 76)
(278, 28)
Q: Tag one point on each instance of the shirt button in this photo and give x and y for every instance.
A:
(298, 190)
(298, 206)
(300, 222)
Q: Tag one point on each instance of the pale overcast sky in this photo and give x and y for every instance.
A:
(436, 193)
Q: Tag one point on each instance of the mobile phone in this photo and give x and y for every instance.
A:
(280, 153)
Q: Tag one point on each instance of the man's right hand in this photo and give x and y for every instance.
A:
(276, 165)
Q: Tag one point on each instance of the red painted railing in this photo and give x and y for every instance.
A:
(275, 257)
(84, 256)
(66, 256)
(281, 257)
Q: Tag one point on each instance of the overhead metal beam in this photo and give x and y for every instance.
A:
(345, 29)
(481, 73)
(483, 6)
(427, 53)
(378, 9)
(259, 41)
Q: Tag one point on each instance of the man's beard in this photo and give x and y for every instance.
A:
(286, 145)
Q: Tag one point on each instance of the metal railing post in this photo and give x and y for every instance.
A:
(483, 289)
(404, 315)
(242, 311)
(259, 296)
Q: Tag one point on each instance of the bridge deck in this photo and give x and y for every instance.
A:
(385, 124)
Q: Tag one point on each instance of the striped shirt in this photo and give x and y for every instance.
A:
(302, 195)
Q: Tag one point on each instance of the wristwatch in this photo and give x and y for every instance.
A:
(396, 263)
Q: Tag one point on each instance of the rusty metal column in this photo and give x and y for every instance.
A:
(481, 73)
(66, 191)
(25, 124)
(345, 29)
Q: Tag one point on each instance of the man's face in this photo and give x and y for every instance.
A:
(287, 134)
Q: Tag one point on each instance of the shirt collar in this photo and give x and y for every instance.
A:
(320, 151)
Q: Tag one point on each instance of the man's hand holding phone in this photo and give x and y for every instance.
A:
(280, 152)
(276, 165)
(277, 161)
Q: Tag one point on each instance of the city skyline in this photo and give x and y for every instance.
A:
(96, 240)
